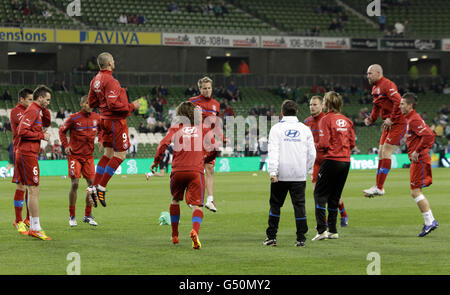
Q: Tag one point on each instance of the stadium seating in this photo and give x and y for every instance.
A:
(427, 19)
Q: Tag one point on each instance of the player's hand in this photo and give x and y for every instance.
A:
(387, 124)
(46, 136)
(273, 179)
(136, 104)
(368, 121)
(153, 167)
(415, 156)
(68, 150)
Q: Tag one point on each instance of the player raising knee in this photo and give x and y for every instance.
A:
(419, 140)
(193, 147)
(83, 127)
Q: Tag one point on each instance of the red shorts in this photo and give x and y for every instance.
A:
(394, 135)
(115, 134)
(420, 174)
(81, 166)
(27, 169)
(191, 182)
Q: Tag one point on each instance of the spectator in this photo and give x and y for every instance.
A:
(158, 106)
(228, 111)
(67, 113)
(123, 19)
(333, 26)
(315, 31)
(210, 8)
(7, 95)
(143, 106)
(399, 29)
(224, 7)
(92, 64)
(218, 10)
(163, 91)
(160, 128)
(243, 68)
(172, 111)
(227, 69)
(15, 5)
(133, 19)
(151, 121)
(42, 155)
(26, 11)
(57, 150)
(63, 86)
(191, 91)
(46, 13)
(190, 8)
(373, 151)
(173, 7)
(60, 114)
(363, 114)
(143, 129)
(282, 90)
(133, 146)
(141, 19)
(232, 92)
(382, 22)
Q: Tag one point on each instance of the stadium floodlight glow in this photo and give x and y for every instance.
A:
(12, 53)
(33, 49)
(208, 57)
(414, 59)
(227, 54)
(424, 56)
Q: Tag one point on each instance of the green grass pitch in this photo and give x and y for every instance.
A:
(129, 239)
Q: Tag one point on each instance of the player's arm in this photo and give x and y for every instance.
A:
(274, 152)
(311, 151)
(116, 97)
(211, 146)
(92, 98)
(352, 137)
(395, 97)
(425, 133)
(163, 145)
(63, 133)
(14, 122)
(374, 114)
(324, 136)
(46, 117)
(25, 127)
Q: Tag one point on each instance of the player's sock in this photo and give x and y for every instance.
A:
(197, 217)
(26, 203)
(342, 210)
(88, 210)
(71, 210)
(35, 224)
(174, 211)
(110, 169)
(385, 167)
(210, 199)
(428, 217)
(18, 204)
(100, 170)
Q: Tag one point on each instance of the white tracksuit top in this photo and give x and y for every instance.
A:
(291, 150)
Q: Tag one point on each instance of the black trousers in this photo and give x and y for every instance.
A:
(330, 183)
(278, 193)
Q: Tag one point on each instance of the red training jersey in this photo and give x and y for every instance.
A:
(83, 128)
(30, 130)
(337, 137)
(419, 137)
(313, 123)
(189, 151)
(386, 101)
(106, 94)
(14, 118)
(211, 110)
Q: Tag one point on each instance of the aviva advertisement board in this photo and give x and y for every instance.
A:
(29, 35)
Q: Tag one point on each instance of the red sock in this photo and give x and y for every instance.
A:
(100, 170)
(110, 169)
(174, 218)
(342, 210)
(88, 210)
(197, 217)
(385, 167)
(18, 204)
(72, 210)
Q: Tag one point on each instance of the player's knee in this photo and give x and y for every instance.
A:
(120, 155)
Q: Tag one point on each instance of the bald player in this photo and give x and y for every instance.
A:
(386, 104)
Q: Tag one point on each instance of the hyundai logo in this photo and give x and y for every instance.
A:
(292, 133)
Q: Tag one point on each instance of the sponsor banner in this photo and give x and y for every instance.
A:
(27, 35)
(108, 37)
(446, 44)
(210, 40)
(245, 164)
(360, 43)
(417, 44)
(288, 42)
